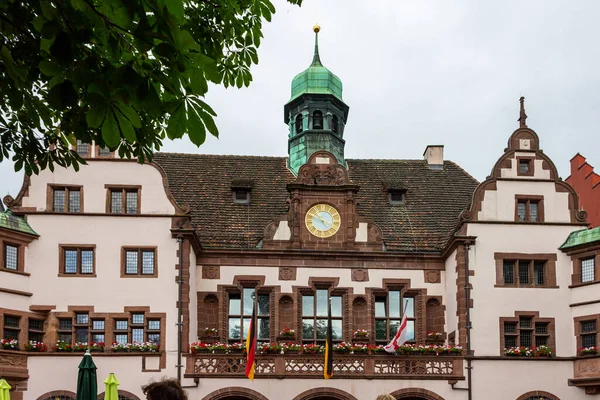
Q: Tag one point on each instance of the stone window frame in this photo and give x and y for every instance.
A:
(98, 154)
(239, 283)
(79, 247)
(549, 270)
(529, 198)
(80, 143)
(236, 194)
(405, 291)
(531, 163)
(124, 189)
(392, 192)
(17, 241)
(535, 318)
(578, 333)
(577, 258)
(24, 317)
(331, 284)
(140, 250)
(19, 264)
(51, 187)
(314, 317)
(33, 332)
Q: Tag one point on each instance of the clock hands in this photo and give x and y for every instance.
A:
(318, 215)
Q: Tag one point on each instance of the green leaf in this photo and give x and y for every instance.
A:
(197, 131)
(110, 130)
(49, 68)
(95, 116)
(186, 41)
(78, 5)
(130, 114)
(175, 7)
(126, 127)
(165, 50)
(210, 123)
(205, 106)
(198, 83)
(177, 123)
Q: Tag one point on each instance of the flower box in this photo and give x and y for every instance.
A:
(210, 331)
(588, 351)
(360, 334)
(35, 347)
(9, 344)
(312, 349)
(287, 333)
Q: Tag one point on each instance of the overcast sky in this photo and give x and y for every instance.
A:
(419, 72)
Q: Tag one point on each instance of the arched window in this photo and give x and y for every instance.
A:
(317, 120)
(334, 124)
(298, 123)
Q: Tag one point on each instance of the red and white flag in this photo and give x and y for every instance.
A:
(400, 338)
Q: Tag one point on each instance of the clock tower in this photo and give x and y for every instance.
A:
(316, 114)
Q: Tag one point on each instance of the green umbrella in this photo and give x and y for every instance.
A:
(87, 385)
(4, 388)
(111, 392)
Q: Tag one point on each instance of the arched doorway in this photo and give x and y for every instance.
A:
(235, 393)
(416, 394)
(324, 393)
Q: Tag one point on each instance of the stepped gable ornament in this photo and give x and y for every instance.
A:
(323, 169)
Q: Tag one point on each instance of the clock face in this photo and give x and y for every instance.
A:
(323, 220)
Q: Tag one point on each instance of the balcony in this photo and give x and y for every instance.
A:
(204, 365)
(586, 374)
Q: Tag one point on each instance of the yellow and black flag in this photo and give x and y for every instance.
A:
(328, 367)
(251, 345)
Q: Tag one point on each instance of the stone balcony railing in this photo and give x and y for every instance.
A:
(586, 374)
(203, 365)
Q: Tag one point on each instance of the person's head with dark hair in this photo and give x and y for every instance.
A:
(165, 389)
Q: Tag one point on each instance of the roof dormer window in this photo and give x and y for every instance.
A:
(396, 196)
(241, 189)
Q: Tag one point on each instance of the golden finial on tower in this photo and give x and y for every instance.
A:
(316, 28)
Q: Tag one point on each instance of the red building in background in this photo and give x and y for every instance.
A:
(587, 185)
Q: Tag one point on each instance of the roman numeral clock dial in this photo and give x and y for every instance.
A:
(323, 220)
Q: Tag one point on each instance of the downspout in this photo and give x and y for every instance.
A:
(468, 326)
(180, 308)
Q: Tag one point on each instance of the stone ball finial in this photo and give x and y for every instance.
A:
(316, 28)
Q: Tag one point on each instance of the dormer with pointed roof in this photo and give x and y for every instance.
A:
(316, 113)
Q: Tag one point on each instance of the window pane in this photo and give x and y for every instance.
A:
(533, 211)
(322, 300)
(235, 328)
(525, 323)
(336, 306)
(394, 297)
(35, 337)
(409, 302)
(524, 272)
(10, 321)
(322, 329)
(121, 325)
(121, 338)
(87, 261)
(509, 272)
(587, 270)
(65, 337)
(116, 202)
(132, 202)
(154, 325)
(65, 324)
(248, 301)
(137, 335)
(245, 327)
(380, 307)
(98, 325)
(263, 304)
(137, 319)
(393, 328)
(336, 329)
(380, 329)
(154, 337)
(82, 318)
(541, 341)
(74, 200)
(263, 328)
(588, 340)
(11, 334)
(131, 262)
(522, 211)
(59, 200)
(308, 329)
(588, 326)
(235, 304)
(524, 166)
(98, 337)
(510, 341)
(410, 327)
(83, 149)
(36, 325)
(11, 257)
(541, 328)
(526, 338)
(308, 305)
(70, 261)
(104, 152)
(81, 335)
(147, 262)
(510, 327)
(538, 273)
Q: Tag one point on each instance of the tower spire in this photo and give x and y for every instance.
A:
(316, 60)
(522, 117)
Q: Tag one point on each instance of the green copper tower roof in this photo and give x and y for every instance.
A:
(581, 237)
(10, 221)
(316, 78)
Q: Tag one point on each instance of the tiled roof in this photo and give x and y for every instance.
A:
(14, 223)
(434, 198)
(581, 237)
